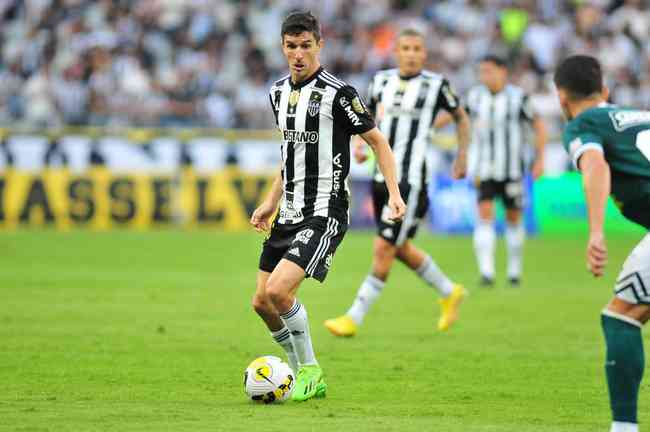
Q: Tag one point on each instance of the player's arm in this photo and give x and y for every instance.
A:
(262, 214)
(463, 134)
(539, 129)
(443, 118)
(386, 162)
(596, 182)
(449, 101)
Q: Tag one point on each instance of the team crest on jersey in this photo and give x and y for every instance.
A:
(357, 105)
(293, 97)
(314, 107)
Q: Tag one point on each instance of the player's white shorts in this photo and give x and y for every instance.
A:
(633, 284)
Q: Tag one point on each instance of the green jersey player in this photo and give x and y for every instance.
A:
(611, 147)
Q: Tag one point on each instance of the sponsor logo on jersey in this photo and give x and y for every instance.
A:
(626, 119)
(288, 211)
(306, 137)
(357, 105)
(337, 160)
(336, 175)
(304, 236)
(295, 252)
(293, 97)
(347, 107)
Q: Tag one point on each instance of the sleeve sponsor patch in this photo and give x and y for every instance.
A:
(357, 105)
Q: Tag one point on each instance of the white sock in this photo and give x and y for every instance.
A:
(624, 427)
(515, 241)
(431, 273)
(298, 324)
(283, 338)
(484, 240)
(368, 292)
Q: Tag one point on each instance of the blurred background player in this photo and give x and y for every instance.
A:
(500, 112)
(405, 102)
(611, 147)
(317, 115)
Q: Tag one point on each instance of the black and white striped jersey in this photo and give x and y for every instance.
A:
(499, 131)
(405, 108)
(317, 118)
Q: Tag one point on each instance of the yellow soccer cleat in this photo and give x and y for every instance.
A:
(342, 326)
(449, 307)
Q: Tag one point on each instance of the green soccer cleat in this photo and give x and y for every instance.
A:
(309, 383)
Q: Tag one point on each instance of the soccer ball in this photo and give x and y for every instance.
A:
(268, 379)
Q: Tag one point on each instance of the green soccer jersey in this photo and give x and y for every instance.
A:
(623, 135)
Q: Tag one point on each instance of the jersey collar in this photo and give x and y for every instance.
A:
(409, 77)
(304, 82)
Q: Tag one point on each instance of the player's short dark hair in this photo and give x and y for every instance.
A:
(580, 75)
(494, 59)
(299, 22)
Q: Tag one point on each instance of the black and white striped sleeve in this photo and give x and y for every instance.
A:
(527, 112)
(447, 98)
(350, 112)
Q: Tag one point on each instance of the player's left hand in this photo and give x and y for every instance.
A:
(538, 169)
(459, 170)
(596, 254)
(397, 208)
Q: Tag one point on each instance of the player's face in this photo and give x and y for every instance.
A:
(302, 52)
(492, 75)
(411, 54)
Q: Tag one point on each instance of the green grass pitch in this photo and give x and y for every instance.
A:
(126, 331)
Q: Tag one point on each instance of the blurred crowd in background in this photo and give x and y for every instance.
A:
(209, 63)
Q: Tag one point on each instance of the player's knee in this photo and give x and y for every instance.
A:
(384, 251)
(262, 305)
(276, 293)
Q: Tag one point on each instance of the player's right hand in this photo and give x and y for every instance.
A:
(261, 216)
(596, 254)
(397, 208)
(360, 152)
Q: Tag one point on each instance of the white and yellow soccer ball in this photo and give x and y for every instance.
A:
(268, 379)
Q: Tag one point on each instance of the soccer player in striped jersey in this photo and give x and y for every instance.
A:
(317, 114)
(501, 114)
(406, 101)
(610, 146)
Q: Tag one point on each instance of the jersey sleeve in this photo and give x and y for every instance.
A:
(527, 112)
(447, 98)
(577, 139)
(350, 112)
(372, 98)
(274, 98)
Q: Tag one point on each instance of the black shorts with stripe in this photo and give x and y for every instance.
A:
(511, 192)
(417, 204)
(311, 244)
